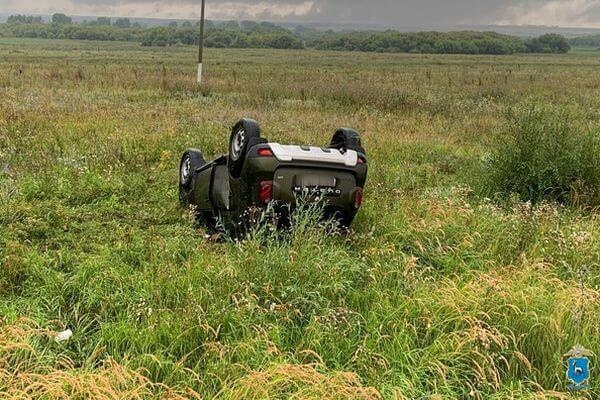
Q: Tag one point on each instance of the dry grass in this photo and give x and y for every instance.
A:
(26, 372)
(300, 382)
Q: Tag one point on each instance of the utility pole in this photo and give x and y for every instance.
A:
(201, 44)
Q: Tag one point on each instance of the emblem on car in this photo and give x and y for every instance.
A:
(579, 368)
(317, 191)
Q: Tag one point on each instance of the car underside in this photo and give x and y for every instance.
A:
(257, 173)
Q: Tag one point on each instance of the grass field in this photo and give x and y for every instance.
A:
(437, 292)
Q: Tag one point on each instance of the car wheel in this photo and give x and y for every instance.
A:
(347, 139)
(190, 162)
(245, 132)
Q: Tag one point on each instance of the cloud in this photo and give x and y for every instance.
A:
(555, 12)
(398, 13)
(166, 9)
(237, 10)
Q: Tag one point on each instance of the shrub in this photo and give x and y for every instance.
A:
(548, 43)
(545, 156)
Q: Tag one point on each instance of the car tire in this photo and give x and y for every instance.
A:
(190, 161)
(347, 139)
(243, 135)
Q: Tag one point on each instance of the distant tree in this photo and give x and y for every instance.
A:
(557, 43)
(219, 38)
(105, 21)
(24, 19)
(304, 32)
(275, 40)
(232, 34)
(173, 24)
(158, 36)
(123, 23)
(232, 25)
(548, 43)
(186, 36)
(420, 42)
(585, 41)
(284, 40)
(269, 27)
(248, 26)
(61, 19)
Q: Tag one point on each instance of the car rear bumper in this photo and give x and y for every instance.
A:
(333, 188)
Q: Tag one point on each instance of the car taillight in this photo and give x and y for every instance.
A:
(265, 152)
(358, 198)
(265, 192)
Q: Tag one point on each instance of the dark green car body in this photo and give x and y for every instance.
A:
(279, 176)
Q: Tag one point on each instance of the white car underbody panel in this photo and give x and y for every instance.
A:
(317, 154)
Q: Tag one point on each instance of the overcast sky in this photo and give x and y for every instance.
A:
(572, 13)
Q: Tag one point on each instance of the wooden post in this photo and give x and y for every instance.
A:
(201, 45)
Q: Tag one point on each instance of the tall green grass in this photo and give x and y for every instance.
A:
(431, 295)
(546, 155)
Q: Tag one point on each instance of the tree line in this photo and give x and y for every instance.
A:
(249, 34)
(585, 41)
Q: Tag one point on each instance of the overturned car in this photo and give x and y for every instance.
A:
(257, 173)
